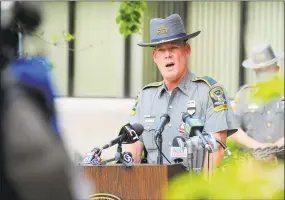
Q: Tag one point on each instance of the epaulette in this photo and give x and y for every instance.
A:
(210, 81)
(240, 91)
(154, 84)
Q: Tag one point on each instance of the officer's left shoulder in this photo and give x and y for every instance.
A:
(208, 82)
(216, 92)
(211, 82)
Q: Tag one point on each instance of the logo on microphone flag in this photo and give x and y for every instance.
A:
(178, 152)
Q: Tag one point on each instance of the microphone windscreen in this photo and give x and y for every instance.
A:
(175, 141)
(184, 116)
(138, 128)
(178, 160)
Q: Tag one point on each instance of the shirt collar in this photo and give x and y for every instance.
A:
(184, 85)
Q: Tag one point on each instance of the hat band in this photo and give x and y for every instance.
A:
(170, 37)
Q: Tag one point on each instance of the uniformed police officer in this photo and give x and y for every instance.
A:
(178, 89)
(261, 123)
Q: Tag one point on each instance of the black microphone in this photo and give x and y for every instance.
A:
(128, 134)
(194, 126)
(164, 119)
(178, 150)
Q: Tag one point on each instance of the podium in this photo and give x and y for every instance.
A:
(138, 182)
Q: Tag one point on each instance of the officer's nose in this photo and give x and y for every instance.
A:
(167, 54)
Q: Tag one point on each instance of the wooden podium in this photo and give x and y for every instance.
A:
(138, 182)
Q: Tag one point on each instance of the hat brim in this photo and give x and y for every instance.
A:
(153, 44)
(251, 65)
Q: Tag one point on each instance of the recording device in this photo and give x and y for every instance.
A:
(178, 151)
(194, 127)
(128, 134)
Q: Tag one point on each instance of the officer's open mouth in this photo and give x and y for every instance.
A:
(170, 65)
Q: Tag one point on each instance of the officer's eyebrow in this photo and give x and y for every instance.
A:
(179, 43)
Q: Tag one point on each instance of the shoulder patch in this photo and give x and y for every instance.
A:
(154, 84)
(210, 81)
(218, 98)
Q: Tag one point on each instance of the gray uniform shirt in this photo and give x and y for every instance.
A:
(153, 101)
(264, 122)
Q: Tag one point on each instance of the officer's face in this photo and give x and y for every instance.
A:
(171, 59)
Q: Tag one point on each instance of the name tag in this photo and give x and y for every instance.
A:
(149, 119)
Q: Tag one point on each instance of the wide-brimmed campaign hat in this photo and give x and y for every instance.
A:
(263, 56)
(167, 30)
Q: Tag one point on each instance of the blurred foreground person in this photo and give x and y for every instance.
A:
(260, 107)
(34, 163)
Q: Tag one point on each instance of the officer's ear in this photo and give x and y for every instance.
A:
(154, 54)
(187, 49)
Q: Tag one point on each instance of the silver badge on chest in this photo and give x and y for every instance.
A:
(191, 107)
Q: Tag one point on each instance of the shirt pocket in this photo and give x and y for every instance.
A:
(253, 119)
(148, 136)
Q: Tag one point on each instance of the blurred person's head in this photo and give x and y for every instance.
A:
(16, 16)
(171, 50)
(264, 61)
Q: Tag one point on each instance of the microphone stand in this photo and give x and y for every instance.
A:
(158, 138)
(118, 156)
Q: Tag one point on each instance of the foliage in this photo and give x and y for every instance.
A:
(269, 89)
(130, 17)
(237, 155)
(62, 38)
(241, 177)
(250, 180)
(58, 39)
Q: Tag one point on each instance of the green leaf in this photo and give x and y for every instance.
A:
(118, 19)
(130, 17)
(68, 37)
(54, 38)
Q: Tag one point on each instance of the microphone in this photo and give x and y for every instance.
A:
(164, 119)
(128, 134)
(194, 126)
(178, 150)
(93, 157)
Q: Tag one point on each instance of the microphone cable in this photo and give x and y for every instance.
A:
(161, 151)
(225, 147)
